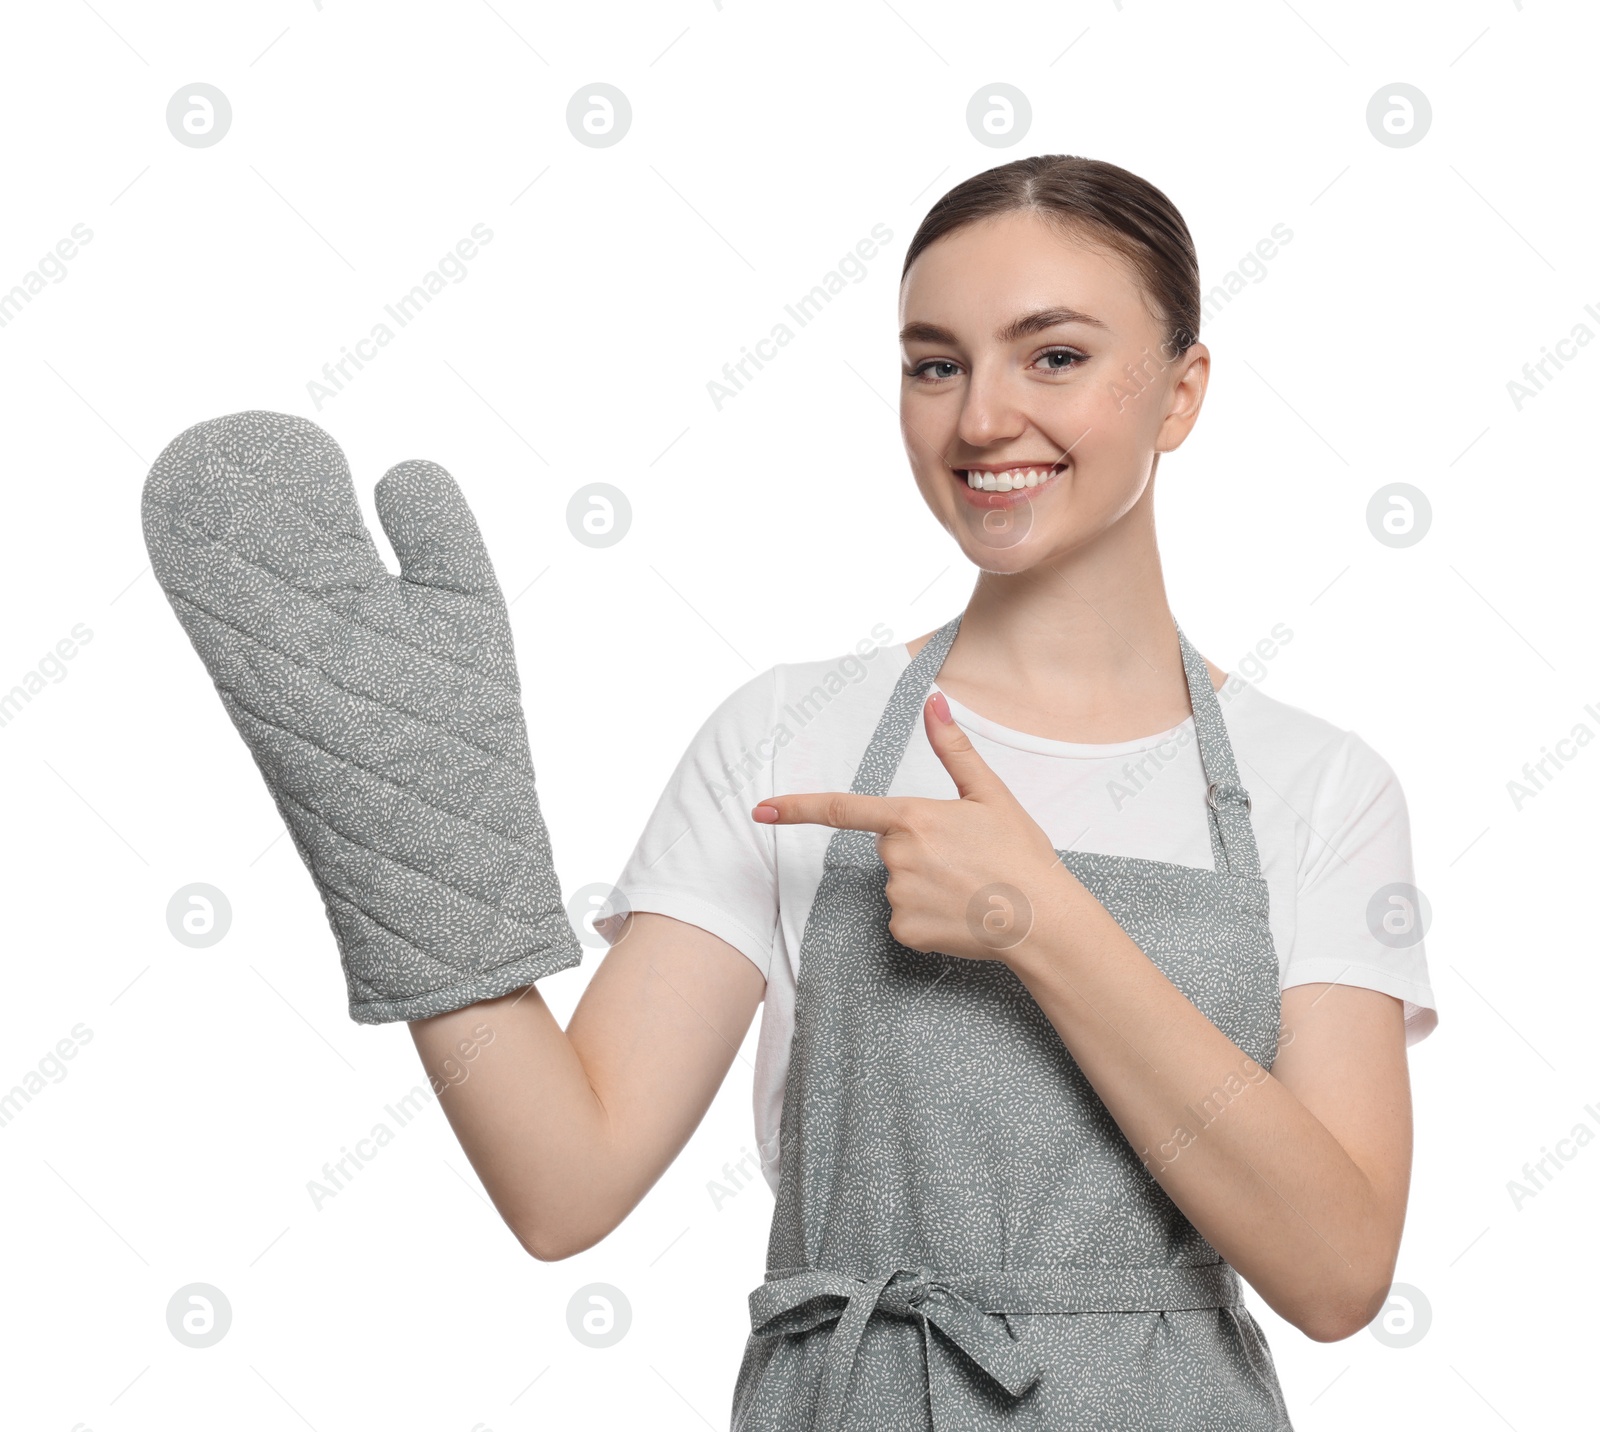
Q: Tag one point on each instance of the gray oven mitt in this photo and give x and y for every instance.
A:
(383, 711)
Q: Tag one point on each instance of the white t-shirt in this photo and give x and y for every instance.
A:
(1329, 817)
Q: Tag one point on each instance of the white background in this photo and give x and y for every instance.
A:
(766, 141)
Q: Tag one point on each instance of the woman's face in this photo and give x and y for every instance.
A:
(1028, 349)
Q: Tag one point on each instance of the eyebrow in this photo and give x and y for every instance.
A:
(1036, 322)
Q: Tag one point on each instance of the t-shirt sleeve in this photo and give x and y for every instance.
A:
(701, 858)
(1359, 918)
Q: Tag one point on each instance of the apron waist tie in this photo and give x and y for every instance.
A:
(963, 1306)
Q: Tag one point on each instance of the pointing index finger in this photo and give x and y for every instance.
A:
(843, 810)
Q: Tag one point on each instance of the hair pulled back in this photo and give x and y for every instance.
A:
(1101, 201)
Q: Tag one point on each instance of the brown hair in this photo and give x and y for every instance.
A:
(1129, 215)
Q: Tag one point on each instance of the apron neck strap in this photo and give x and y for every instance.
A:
(888, 744)
(1233, 841)
(1233, 845)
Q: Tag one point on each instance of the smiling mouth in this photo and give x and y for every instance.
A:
(1013, 478)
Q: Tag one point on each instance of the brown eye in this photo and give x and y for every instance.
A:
(1070, 358)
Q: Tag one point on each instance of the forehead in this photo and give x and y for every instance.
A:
(998, 267)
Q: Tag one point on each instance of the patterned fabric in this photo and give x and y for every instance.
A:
(383, 712)
(963, 1238)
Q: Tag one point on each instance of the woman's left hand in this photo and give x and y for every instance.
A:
(974, 876)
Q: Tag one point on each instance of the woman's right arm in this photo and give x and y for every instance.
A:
(568, 1129)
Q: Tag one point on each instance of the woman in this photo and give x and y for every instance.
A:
(1069, 1026)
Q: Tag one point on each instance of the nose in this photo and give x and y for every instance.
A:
(990, 410)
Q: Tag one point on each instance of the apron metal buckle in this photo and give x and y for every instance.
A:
(1233, 790)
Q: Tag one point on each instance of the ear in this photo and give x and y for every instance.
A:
(1191, 373)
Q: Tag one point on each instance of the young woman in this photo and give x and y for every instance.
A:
(1076, 1009)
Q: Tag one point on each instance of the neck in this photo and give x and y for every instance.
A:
(1080, 646)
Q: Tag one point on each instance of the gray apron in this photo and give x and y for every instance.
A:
(963, 1238)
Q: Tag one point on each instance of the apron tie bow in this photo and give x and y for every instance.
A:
(807, 1298)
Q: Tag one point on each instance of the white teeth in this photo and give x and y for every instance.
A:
(1011, 481)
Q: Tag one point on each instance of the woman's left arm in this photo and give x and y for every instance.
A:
(1297, 1176)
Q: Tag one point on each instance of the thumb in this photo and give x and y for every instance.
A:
(972, 774)
(432, 530)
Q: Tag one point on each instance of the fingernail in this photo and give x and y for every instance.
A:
(765, 814)
(941, 708)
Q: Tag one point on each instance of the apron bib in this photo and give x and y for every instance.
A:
(963, 1238)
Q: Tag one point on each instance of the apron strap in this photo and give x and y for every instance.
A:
(888, 744)
(1233, 843)
(882, 756)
